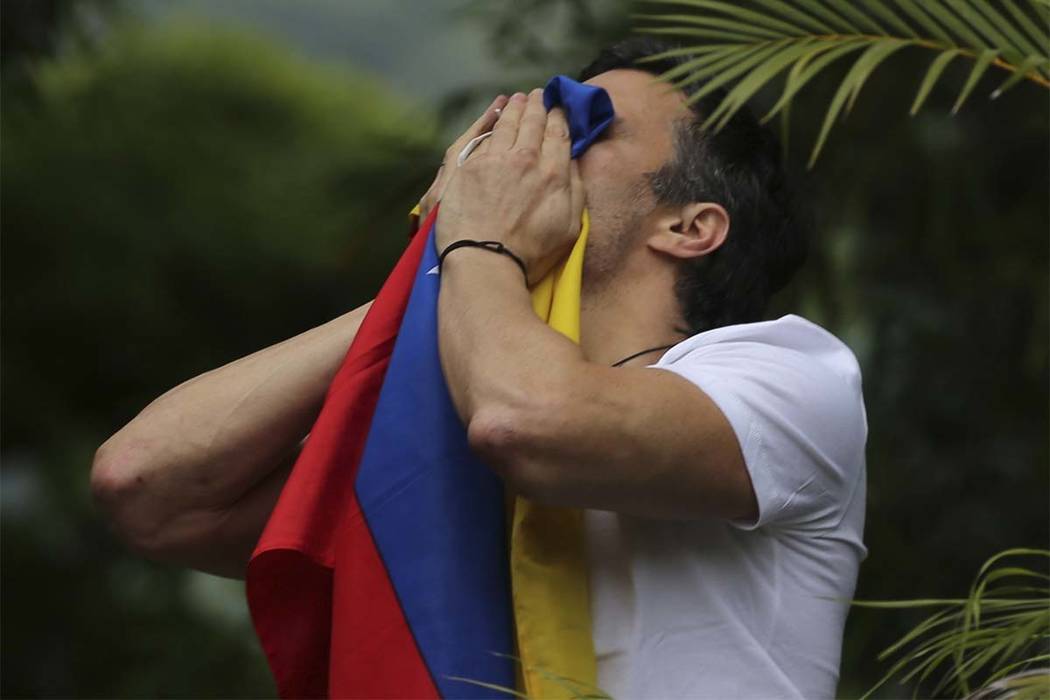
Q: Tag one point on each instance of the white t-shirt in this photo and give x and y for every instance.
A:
(707, 608)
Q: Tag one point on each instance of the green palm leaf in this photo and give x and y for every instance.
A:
(1026, 68)
(731, 72)
(851, 85)
(695, 68)
(747, 45)
(983, 61)
(996, 634)
(740, 28)
(950, 19)
(1042, 9)
(936, 68)
(997, 29)
(890, 17)
(722, 63)
(861, 20)
(744, 14)
(808, 67)
(925, 22)
(793, 13)
(820, 9)
(697, 32)
(1036, 32)
(754, 81)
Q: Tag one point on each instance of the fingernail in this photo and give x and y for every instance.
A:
(499, 99)
(518, 97)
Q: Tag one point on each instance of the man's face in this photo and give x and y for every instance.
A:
(639, 141)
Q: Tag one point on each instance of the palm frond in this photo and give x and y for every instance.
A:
(847, 93)
(925, 22)
(740, 28)
(890, 17)
(749, 44)
(1030, 63)
(862, 21)
(796, 15)
(737, 97)
(1036, 32)
(981, 65)
(1026, 685)
(996, 635)
(807, 68)
(936, 68)
(822, 10)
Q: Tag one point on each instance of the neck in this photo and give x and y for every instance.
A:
(628, 317)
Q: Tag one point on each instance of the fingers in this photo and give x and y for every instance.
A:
(483, 147)
(482, 124)
(556, 150)
(505, 133)
(471, 146)
(444, 172)
(533, 123)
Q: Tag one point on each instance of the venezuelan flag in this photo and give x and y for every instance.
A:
(394, 564)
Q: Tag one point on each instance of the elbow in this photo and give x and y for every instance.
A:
(118, 485)
(513, 443)
(109, 481)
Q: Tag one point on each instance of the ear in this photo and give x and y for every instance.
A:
(691, 231)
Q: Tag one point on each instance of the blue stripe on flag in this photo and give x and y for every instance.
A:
(436, 513)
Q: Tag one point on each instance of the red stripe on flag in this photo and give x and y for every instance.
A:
(321, 601)
(374, 654)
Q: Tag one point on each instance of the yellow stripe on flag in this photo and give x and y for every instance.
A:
(548, 567)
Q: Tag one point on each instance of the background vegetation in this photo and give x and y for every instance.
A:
(177, 193)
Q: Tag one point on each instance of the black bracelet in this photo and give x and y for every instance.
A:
(494, 246)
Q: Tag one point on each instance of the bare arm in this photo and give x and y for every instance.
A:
(193, 478)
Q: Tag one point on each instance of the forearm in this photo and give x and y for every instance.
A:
(208, 442)
(496, 353)
(564, 431)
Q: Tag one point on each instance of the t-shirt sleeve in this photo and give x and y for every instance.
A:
(798, 413)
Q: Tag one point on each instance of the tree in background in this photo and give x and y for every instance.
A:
(172, 199)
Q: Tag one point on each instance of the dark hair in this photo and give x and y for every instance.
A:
(740, 168)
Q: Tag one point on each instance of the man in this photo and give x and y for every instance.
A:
(720, 459)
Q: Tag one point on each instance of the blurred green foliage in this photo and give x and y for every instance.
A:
(160, 179)
(174, 198)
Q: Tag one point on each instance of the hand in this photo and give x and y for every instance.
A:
(520, 187)
(448, 166)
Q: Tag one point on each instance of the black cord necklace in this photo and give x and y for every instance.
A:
(639, 354)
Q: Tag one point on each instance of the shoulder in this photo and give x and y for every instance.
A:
(792, 393)
(789, 359)
(788, 339)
